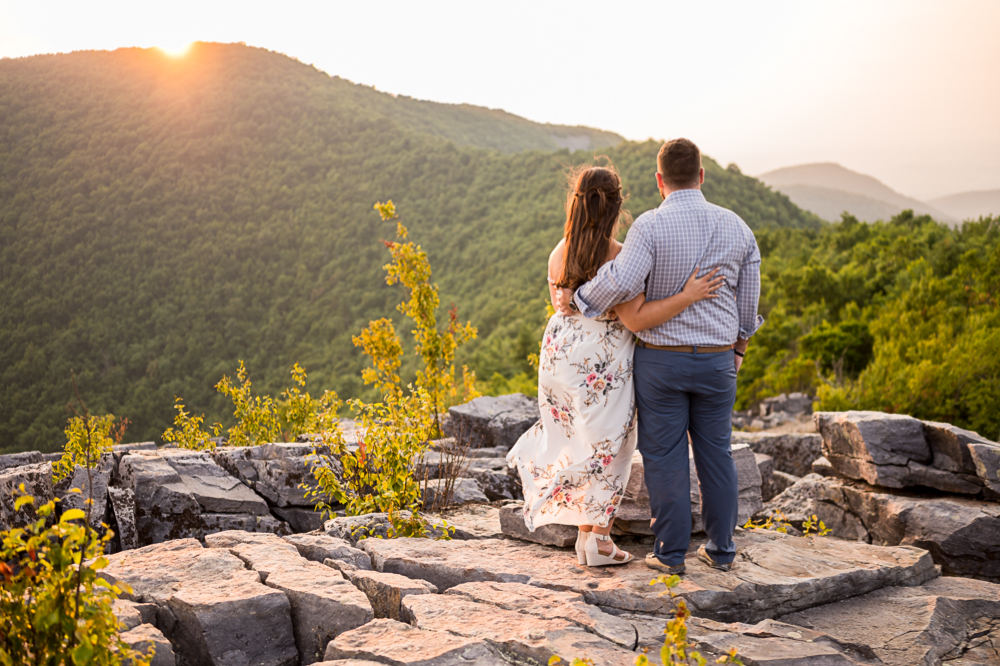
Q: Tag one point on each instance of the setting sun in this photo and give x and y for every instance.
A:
(176, 50)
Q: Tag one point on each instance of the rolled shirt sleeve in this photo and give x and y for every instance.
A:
(748, 292)
(620, 280)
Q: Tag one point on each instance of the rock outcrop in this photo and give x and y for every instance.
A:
(181, 494)
(276, 472)
(950, 620)
(212, 609)
(322, 603)
(896, 451)
(962, 534)
(37, 481)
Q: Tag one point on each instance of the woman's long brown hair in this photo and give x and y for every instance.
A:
(593, 214)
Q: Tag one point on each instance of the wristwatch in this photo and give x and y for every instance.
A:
(572, 305)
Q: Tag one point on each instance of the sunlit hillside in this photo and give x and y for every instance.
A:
(162, 218)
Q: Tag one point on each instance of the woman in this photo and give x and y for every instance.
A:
(575, 462)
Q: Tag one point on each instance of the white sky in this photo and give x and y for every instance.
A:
(905, 90)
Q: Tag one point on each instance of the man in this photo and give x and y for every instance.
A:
(685, 369)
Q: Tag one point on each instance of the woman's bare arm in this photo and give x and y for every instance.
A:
(640, 314)
(555, 268)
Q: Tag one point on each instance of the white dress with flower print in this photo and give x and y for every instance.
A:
(575, 462)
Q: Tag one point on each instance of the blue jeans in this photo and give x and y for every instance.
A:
(677, 393)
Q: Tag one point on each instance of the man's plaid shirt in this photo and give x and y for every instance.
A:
(662, 249)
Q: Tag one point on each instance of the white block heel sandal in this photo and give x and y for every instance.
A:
(596, 559)
(581, 540)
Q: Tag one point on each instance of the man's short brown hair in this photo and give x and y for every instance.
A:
(679, 162)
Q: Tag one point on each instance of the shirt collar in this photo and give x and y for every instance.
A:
(680, 196)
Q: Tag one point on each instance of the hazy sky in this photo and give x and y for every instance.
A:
(905, 90)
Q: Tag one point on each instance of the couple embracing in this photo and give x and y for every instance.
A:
(643, 350)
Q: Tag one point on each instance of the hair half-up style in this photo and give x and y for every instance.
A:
(593, 216)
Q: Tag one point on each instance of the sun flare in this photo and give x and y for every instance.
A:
(176, 50)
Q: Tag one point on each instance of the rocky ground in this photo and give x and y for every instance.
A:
(228, 564)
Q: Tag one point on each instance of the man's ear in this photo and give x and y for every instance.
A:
(659, 180)
(701, 176)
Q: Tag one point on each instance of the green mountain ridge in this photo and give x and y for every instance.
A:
(162, 218)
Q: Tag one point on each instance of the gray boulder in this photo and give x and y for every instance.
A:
(321, 547)
(896, 451)
(180, 493)
(493, 421)
(962, 535)
(793, 453)
(300, 519)
(121, 511)
(275, 471)
(91, 484)
(37, 481)
(441, 492)
(512, 525)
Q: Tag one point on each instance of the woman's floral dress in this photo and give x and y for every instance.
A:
(575, 462)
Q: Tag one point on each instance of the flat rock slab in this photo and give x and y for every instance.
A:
(390, 642)
(214, 611)
(776, 573)
(521, 636)
(962, 535)
(541, 602)
(321, 547)
(472, 521)
(386, 591)
(950, 620)
(767, 643)
(9, 460)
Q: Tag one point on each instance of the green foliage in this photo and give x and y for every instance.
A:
(303, 414)
(898, 316)
(162, 218)
(257, 418)
(411, 268)
(776, 522)
(187, 432)
(86, 439)
(55, 610)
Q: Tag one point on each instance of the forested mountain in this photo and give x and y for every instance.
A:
(162, 218)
